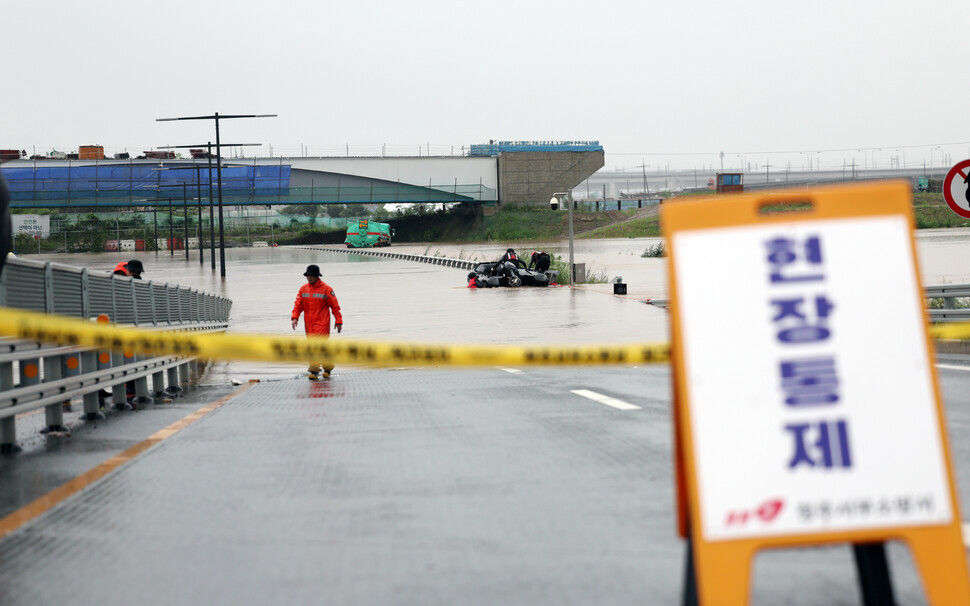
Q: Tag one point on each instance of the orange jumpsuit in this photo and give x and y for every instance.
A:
(316, 301)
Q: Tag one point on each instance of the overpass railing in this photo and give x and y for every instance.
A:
(34, 375)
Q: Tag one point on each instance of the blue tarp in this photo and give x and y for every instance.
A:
(141, 180)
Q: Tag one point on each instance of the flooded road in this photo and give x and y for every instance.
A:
(411, 301)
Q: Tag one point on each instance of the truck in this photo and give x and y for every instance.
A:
(730, 183)
(366, 233)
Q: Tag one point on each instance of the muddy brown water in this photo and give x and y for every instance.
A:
(399, 300)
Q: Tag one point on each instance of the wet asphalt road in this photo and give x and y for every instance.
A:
(423, 486)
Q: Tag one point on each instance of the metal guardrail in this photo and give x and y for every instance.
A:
(948, 292)
(50, 376)
(370, 252)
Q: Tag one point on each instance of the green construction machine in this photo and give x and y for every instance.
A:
(368, 234)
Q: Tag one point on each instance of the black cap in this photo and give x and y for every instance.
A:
(135, 265)
(312, 270)
(509, 250)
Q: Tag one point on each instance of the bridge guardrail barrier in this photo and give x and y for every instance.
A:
(50, 376)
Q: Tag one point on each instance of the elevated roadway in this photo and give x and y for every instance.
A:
(520, 176)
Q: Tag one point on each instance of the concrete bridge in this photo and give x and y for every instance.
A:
(523, 173)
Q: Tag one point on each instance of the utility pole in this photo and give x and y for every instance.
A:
(212, 236)
(216, 117)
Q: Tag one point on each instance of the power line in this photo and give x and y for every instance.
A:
(813, 150)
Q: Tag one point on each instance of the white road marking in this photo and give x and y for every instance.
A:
(952, 367)
(511, 371)
(966, 534)
(598, 397)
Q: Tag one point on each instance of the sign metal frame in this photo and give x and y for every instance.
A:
(721, 565)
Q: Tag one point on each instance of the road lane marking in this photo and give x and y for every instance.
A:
(952, 367)
(966, 534)
(512, 371)
(607, 400)
(45, 503)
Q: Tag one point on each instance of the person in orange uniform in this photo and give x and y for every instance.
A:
(315, 301)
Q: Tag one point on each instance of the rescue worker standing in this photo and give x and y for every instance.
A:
(315, 301)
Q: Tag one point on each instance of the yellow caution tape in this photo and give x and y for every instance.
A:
(62, 330)
(950, 330)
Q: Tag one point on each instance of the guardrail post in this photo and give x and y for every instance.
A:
(118, 395)
(174, 389)
(53, 413)
(158, 384)
(30, 372)
(92, 400)
(949, 303)
(70, 367)
(8, 425)
(142, 396)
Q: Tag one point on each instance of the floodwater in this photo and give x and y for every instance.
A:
(390, 299)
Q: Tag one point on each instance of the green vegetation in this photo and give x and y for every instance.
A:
(648, 227)
(657, 250)
(561, 265)
(932, 212)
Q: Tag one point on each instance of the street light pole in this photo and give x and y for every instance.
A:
(567, 196)
(222, 231)
(198, 193)
(185, 221)
(572, 264)
(216, 117)
(171, 228)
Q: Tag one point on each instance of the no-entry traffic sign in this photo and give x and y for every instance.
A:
(956, 189)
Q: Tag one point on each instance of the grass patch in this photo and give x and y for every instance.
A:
(648, 227)
(561, 265)
(931, 211)
(657, 250)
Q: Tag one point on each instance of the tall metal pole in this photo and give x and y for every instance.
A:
(212, 221)
(572, 266)
(216, 116)
(155, 219)
(198, 194)
(171, 228)
(222, 232)
(185, 221)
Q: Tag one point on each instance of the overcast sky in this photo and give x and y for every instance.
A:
(654, 82)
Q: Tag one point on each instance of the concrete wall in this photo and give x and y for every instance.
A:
(441, 171)
(533, 177)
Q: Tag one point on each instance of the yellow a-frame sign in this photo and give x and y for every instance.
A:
(807, 409)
